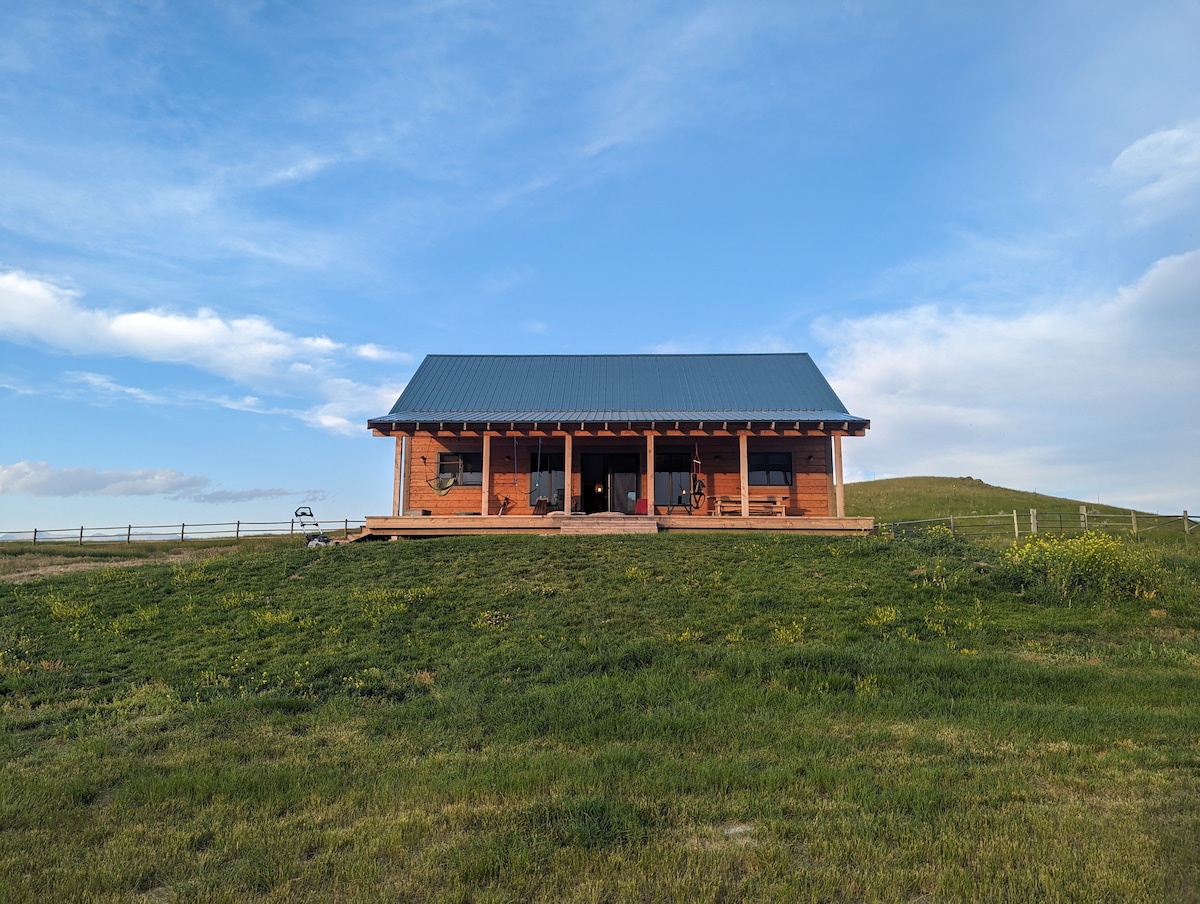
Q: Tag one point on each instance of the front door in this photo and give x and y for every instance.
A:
(611, 481)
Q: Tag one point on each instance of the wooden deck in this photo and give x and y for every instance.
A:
(380, 526)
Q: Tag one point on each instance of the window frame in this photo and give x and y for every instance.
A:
(465, 467)
(761, 466)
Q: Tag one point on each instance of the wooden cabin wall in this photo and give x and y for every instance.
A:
(809, 494)
(420, 495)
(469, 498)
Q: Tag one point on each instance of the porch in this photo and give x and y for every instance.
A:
(413, 526)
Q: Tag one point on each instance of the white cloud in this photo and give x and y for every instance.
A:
(33, 309)
(348, 405)
(1162, 171)
(372, 352)
(40, 479)
(244, 349)
(1080, 396)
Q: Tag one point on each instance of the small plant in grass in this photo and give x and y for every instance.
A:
(63, 609)
(866, 685)
(793, 633)
(497, 621)
(883, 617)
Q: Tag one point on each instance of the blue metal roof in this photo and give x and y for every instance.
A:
(595, 388)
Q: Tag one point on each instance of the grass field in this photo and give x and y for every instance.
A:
(662, 718)
(920, 498)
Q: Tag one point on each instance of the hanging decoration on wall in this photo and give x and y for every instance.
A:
(440, 485)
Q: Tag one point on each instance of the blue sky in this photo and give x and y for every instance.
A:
(230, 231)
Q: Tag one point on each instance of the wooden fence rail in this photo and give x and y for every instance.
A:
(130, 533)
(1017, 524)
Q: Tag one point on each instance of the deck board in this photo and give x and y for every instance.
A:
(457, 525)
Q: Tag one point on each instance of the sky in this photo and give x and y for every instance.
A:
(230, 231)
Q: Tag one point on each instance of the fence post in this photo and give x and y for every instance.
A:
(1187, 526)
(129, 533)
(292, 532)
(951, 524)
(237, 531)
(1083, 517)
(346, 528)
(35, 536)
(1016, 525)
(1133, 520)
(181, 527)
(81, 535)
(1033, 521)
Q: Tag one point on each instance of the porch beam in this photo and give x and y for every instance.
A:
(744, 481)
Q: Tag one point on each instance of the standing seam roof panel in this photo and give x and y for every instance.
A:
(681, 386)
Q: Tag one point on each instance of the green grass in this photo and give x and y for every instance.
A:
(922, 498)
(663, 718)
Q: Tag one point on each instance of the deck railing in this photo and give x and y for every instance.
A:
(131, 533)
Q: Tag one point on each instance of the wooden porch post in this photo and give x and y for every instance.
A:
(398, 477)
(744, 455)
(487, 473)
(650, 473)
(568, 477)
(830, 491)
(839, 483)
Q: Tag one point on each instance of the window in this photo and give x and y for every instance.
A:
(465, 467)
(672, 478)
(770, 469)
(546, 479)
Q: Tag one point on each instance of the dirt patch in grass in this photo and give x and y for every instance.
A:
(33, 565)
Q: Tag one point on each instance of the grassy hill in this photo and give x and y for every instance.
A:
(669, 717)
(920, 498)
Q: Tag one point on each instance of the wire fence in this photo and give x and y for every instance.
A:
(1017, 524)
(136, 533)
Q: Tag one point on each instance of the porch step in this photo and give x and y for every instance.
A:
(609, 524)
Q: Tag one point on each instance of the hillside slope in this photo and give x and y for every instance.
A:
(561, 719)
(918, 498)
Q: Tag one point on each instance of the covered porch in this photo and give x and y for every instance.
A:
(560, 478)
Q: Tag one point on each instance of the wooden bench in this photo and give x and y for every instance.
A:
(759, 505)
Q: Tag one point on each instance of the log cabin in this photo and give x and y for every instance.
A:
(616, 443)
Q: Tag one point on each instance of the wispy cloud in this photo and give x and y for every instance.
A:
(41, 479)
(1161, 172)
(372, 352)
(100, 385)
